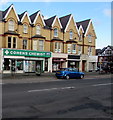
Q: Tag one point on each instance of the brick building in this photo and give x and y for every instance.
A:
(30, 41)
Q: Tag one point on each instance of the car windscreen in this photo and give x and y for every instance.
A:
(63, 69)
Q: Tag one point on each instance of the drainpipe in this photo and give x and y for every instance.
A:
(83, 45)
(31, 35)
(63, 42)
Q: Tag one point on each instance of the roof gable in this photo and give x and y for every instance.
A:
(84, 24)
(34, 17)
(23, 15)
(56, 18)
(49, 21)
(64, 21)
(7, 11)
(80, 28)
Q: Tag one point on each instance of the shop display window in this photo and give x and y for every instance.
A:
(6, 64)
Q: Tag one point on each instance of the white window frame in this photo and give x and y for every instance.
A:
(11, 25)
(79, 49)
(71, 34)
(69, 48)
(73, 48)
(89, 50)
(90, 38)
(34, 44)
(57, 47)
(25, 46)
(41, 46)
(56, 32)
(81, 37)
(38, 29)
(14, 42)
(25, 28)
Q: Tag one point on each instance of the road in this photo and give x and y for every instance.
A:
(75, 98)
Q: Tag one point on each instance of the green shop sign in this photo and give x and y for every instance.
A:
(28, 53)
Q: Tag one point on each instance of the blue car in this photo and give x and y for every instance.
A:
(69, 73)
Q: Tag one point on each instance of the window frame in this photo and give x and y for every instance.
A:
(42, 49)
(79, 49)
(71, 34)
(55, 32)
(38, 29)
(11, 25)
(73, 46)
(68, 48)
(81, 37)
(25, 28)
(12, 42)
(89, 50)
(57, 47)
(24, 46)
(89, 38)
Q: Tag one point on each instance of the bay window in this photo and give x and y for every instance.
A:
(12, 42)
(73, 48)
(24, 44)
(58, 47)
(41, 45)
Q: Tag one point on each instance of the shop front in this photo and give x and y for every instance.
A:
(73, 61)
(58, 61)
(23, 61)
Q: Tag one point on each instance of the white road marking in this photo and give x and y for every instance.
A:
(62, 88)
(102, 84)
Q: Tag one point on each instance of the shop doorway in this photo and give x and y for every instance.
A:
(83, 65)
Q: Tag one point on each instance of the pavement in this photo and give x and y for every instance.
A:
(45, 77)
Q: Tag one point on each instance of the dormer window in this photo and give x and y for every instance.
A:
(11, 25)
(90, 38)
(25, 28)
(71, 34)
(55, 32)
(38, 29)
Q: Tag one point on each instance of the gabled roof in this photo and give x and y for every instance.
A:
(49, 21)
(22, 16)
(84, 24)
(80, 27)
(7, 11)
(111, 47)
(98, 51)
(64, 21)
(34, 17)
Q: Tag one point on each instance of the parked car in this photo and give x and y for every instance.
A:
(69, 73)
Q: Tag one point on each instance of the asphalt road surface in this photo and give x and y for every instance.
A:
(75, 98)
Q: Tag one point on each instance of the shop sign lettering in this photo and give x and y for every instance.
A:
(12, 52)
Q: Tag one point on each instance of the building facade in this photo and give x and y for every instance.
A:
(105, 58)
(31, 42)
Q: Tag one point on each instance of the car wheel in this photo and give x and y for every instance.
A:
(81, 76)
(67, 77)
